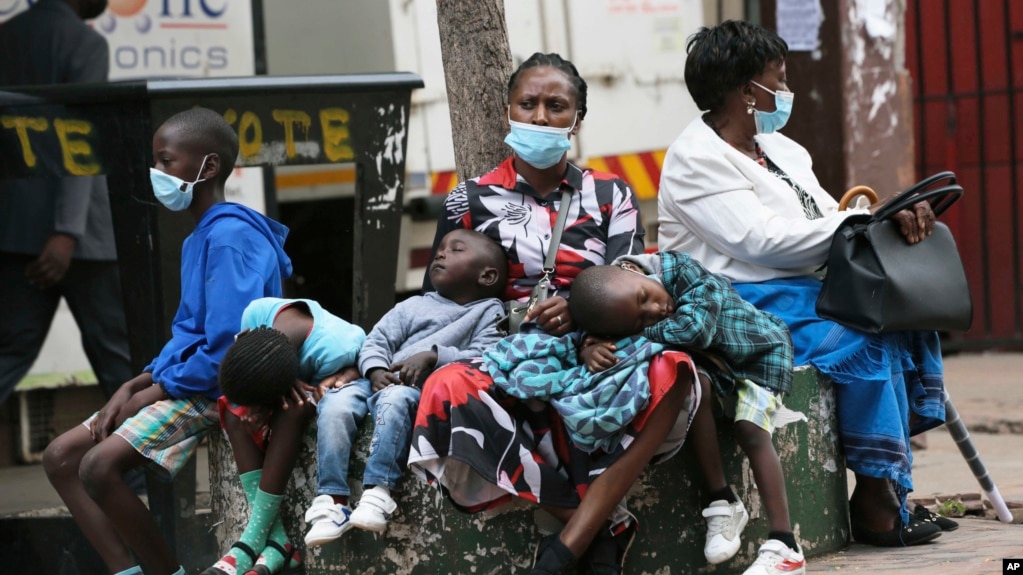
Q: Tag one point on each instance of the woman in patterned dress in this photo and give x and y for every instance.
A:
(482, 447)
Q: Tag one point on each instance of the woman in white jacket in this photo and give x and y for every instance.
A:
(744, 201)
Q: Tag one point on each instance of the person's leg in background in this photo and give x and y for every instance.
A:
(27, 313)
(93, 293)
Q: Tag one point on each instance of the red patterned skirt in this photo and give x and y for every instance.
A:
(482, 447)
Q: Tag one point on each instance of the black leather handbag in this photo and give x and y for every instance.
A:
(877, 282)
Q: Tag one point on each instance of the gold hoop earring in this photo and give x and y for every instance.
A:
(750, 106)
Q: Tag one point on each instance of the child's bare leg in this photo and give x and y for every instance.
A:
(247, 455)
(288, 427)
(61, 461)
(102, 470)
(703, 440)
(265, 473)
(610, 487)
(767, 472)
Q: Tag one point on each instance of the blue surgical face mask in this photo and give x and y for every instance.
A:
(539, 146)
(770, 122)
(172, 191)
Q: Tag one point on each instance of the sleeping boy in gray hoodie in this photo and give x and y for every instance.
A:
(458, 321)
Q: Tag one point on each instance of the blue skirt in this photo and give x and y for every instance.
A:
(879, 377)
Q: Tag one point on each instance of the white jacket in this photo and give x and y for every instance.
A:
(737, 218)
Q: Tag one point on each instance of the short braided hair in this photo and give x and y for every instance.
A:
(259, 368)
(554, 60)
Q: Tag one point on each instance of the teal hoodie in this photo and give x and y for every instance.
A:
(235, 255)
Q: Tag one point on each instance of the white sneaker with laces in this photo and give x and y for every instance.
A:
(725, 522)
(374, 509)
(328, 520)
(775, 558)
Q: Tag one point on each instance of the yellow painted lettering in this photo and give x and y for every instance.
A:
(78, 157)
(230, 116)
(336, 145)
(22, 124)
(288, 119)
(249, 146)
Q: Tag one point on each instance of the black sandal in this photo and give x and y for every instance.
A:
(924, 514)
(902, 535)
(244, 548)
(551, 557)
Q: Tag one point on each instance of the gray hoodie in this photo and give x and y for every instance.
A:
(432, 321)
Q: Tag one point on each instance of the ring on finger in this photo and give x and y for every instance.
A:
(559, 320)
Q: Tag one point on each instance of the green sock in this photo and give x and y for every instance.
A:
(264, 511)
(270, 556)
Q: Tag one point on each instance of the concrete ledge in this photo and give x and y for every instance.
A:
(430, 536)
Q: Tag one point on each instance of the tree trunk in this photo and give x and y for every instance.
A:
(477, 63)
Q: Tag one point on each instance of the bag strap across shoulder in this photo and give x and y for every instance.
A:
(559, 226)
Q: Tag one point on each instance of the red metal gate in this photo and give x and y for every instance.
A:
(966, 58)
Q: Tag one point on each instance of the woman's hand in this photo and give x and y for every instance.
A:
(339, 379)
(552, 316)
(915, 224)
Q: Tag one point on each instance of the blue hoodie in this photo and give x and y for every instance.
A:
(235, 255)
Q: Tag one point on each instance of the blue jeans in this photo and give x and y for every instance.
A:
(394, 413)
(339, 414)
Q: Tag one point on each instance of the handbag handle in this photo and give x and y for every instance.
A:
(940, 198)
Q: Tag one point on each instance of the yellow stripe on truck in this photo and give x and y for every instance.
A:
(316, 178)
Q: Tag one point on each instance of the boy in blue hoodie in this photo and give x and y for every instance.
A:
(233, 256)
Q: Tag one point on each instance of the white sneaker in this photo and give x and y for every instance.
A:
(328, 520)
(775, 558)
(374, 509)
(725, 522)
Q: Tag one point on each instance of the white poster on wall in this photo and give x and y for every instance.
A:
(799, 24)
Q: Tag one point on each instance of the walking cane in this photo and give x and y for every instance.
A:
(957, 429)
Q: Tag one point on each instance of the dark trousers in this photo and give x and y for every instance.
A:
(93, 293)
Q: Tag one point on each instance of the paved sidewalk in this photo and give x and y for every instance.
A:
(977, 547)
(987, 390)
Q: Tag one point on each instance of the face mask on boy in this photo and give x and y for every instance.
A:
(539, 146)
(770, 122)
(172, 191)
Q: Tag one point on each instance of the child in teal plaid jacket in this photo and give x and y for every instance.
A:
(745, 353)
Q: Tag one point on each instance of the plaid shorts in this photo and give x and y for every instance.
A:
(168, 432)
(753, 403)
